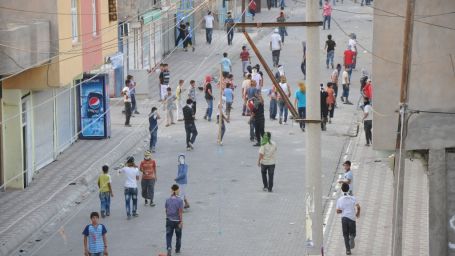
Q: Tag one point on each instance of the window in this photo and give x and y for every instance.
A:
(74, 21)
(94, 18)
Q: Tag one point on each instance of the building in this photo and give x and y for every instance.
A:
(431, 127)
(46, 46)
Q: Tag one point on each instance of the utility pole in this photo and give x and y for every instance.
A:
(397, 232)
(313, 184)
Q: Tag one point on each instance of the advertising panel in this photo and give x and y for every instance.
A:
(92, 105)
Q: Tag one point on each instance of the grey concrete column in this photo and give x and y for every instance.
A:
(437, 208)
(450, 183)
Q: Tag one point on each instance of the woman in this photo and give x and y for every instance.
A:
(281, 103)
(182, 179)
(330, 101)
(367, 120)
(266, 160)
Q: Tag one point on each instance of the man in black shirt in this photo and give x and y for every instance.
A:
(190, 127)
(324, 108)
(330, 47)
(259, 119)
(165, 76)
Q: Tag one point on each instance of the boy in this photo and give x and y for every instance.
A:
(192, 95)
(223, 126)
(169, 107)
(105, 189)
(153, 128)
(349, 209)
(178, 95)
(95, 241)
(245, 58)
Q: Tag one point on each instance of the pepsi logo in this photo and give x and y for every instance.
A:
(94, 102)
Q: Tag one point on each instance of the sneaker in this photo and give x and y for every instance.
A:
(152, 204)
(188, 149)
(172, 123)
(186, 206)
(205, 117)
(303, 129)
(264, 189)
(102, 214)
(128, 217)
(280, 121)
(348, 252)
(270, 190)
(221, 143)
(169, 252)
(153, 150)
(167, 125)
(127, 125)
(108, 214)
(351, 242)
(136, 112)
(135, 214)
(177, 250)
(256, 145)
(191, 145)
(285, 122)
(146, 202)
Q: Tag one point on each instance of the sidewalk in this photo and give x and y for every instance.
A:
(68, 180)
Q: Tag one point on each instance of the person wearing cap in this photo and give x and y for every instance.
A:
(182, 179)
(131, 174)
(348, 177)
(174, 220)
(148, 169)
(275, 46)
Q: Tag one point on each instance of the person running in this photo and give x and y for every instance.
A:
(174, 220)
(190, 127)
(131, 174)
(348, 177)
(275, 47)
(169, 106)
(229, 24)
(283, 115)
(182, 179)
(300, 103)
(127, 101)
(245, 58)
(327, 14)
(209, 27)
(105, 191)
(95, 239)
(330, 47)
(330, 101)
(282, 30)
(226, 65)
(228, 93)
(179, 99)
(267, 160)
(164, 80)
(346, 83)
(153, 128)
(132, 86)
(148, 169)
(192, 95)
(367, 121)
(349, 209)
(209, 99)
(259, 119)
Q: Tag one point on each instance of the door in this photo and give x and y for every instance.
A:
(26, 141)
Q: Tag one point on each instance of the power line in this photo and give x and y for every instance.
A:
(52, 13)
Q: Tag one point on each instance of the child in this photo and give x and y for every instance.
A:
(245, 58)
(178, 95)
(182, 179)
(95, 241)
(228, 93)
(153, 128)
(169, 106)
(105, 191)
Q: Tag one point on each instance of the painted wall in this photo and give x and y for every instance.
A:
(91, 43)
(109, 31)
(432, 74)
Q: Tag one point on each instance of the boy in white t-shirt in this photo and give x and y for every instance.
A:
(131, 174)
(349, 209)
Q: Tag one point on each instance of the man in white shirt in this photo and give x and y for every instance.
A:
(131, 174)
(346, 82)
(275, 47)
(349, 209)
(209, 27)
(127, 101)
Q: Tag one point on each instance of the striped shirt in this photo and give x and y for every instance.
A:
(95, 237)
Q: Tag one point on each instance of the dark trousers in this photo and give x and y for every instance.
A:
(148, 189)
(128, 111)
(171, 227)
(303, 68)
(331, 108)
(267, 170)
(133, 103)
(252, 126)
(181, 36)
(193, 106)
(208, 35)
(191, 133)
(335, 89)
(259, 129)
(273, 108)
(346, 91)
(348, 226)
(367, 125)
(230, 35)
(153, 138)
(302, 115)
(276, 57)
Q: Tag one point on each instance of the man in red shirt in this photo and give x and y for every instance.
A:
(368, 90)
(148, 169)
(245, 58)
(349, 60)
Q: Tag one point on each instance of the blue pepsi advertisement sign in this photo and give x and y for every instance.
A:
(92, 106)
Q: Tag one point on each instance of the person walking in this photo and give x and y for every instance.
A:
(245, 58)
(179, 99)
(267, 161)
(182, 179)
(259, 119)
(324, 108)
(273, 103)
(209, 99)
(132, 87)
(346, 83)
(223, 125)
(192, 95)
(127, 101)
(252, 8)
(348, 177)
(330, 47)
(256, 75)
(174, 220)
(209, 27)
(189, 37)
(164, 80)
(246, 84)
(228, 93)
(334, 79)
(275, 47)
(330, 101)
(352, 44)
(131, 174)
(95, 239)
(190, 127)
(153, 128)
(279, 73)
(229, 24)
(282, 30)
(367, 121)
(148, 169)
(349, 61)
(226, 65)
(327, 14)
(181, 33)
(349, 209)
(105, 191)
(169, 107)
(300, 103)
(367, 91)
(283, 114)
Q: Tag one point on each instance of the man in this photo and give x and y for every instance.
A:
(226, 65)
(327, 14)
(153, 128)
(303, 65)
(324, 108)
(131, 174)
(346, 82)
(229, 24)
(352, 44)
(169, 107)
(348, 177)
(148, 169)
(228, 93)
(190, 127)
(189, 37)
(164, 80)
(330, 47)
(174, 220)
(282, 30)
(349, 60)
(181, 36)
(266, 161)
(259, 119)
(209, 27)
(95, 241)
(245, 58)
(300, 103)
(349, 209)
(127, 101)
(178, 95)
(367, 91)
(256, 75)
(275, 47)
(192, 95)
(105, 191)
(245, 85)
(132, 86)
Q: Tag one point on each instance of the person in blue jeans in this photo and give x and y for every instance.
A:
(182, 179)
(131, 174)
(300, 103)
(174, 220)
(330, 47)
(105, 191)
(153, 128)
(209, 99)
(95, 240)
(229, 95)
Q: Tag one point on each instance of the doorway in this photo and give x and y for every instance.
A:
(26, 141)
